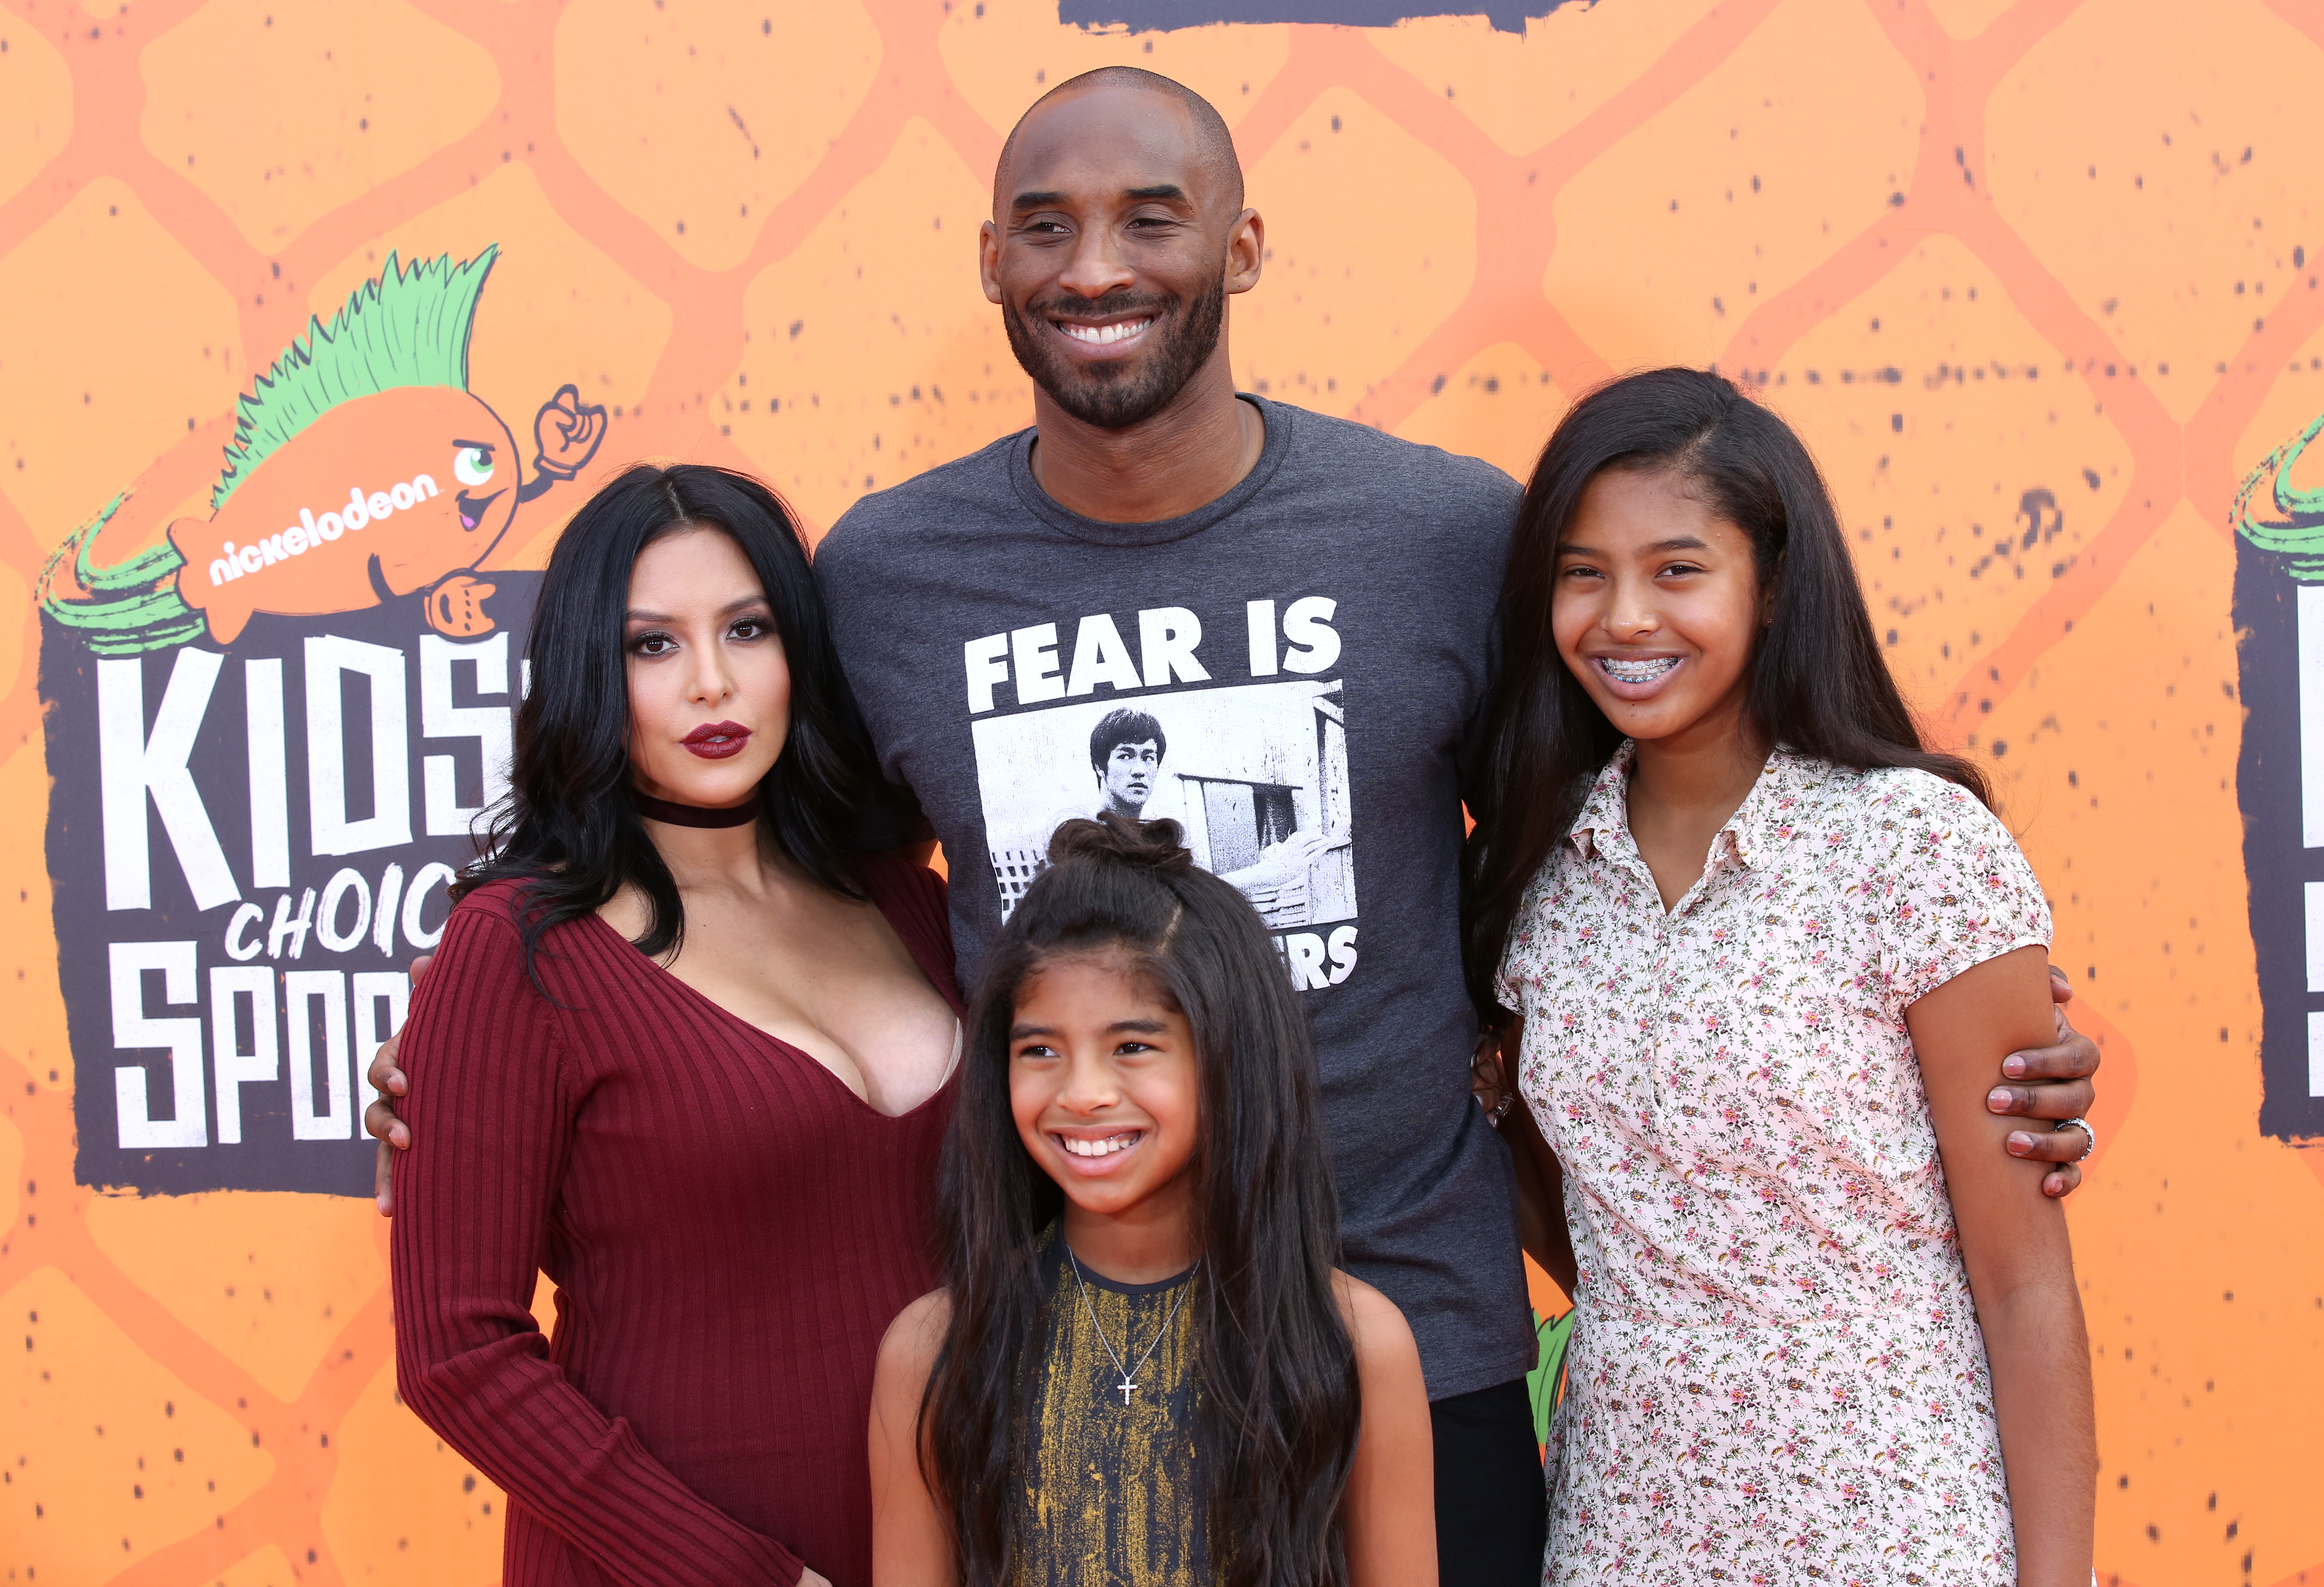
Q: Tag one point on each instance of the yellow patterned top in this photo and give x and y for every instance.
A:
(1107, 1493)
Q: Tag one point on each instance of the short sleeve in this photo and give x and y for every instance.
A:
(1958, 890)
(1521, 957)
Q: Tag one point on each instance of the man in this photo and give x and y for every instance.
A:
(1325, 589)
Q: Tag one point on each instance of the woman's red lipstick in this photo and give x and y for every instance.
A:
(715, 741)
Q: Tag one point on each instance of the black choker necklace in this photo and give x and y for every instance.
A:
(677, 815)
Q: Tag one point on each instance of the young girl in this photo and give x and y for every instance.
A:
(1143, 1368)
(1768, 950)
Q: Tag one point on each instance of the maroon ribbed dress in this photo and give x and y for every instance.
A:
(730, 1228)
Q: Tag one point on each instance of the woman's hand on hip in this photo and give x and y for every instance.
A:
(379, 1120)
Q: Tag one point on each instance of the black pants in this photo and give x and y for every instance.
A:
(1492, 1517)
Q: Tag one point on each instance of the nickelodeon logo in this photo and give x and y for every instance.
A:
(311, 530)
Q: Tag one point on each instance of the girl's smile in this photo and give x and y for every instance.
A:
(1097, 1152)
(1637, 676)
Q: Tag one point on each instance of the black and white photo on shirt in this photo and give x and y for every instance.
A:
(1255, 774)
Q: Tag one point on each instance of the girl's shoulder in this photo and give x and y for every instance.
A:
(1894, 810)
(1388, 1358)
(1910, 785)
(913, 1341)
(1376, 1324)
(1919, 812)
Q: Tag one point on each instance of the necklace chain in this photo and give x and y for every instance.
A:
(1128, 1384)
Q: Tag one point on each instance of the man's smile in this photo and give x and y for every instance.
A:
(1109, 335)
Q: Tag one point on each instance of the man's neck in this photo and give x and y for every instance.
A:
(1186, 456)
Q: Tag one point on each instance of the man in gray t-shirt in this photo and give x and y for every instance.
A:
(1296, 613)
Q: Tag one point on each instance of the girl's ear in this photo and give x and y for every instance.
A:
(1767, 588)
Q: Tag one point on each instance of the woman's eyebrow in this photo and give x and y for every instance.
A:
(1677, 542)
(740, 603)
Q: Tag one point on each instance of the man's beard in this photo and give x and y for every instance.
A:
(1107, 395)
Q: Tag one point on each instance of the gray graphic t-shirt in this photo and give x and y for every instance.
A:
(1291, 673)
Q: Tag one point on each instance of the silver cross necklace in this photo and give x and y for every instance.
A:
(1128, 1384)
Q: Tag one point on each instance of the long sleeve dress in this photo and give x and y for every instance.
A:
(1776, 1374)
(730, 1228)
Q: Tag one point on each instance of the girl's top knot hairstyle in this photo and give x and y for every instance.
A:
(1155, 845)
(1275, 1431)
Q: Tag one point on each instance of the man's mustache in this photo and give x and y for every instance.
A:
(1089, 310)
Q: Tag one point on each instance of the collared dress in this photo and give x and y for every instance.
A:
(1776, 1374)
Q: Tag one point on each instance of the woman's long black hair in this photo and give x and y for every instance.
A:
(1817, 682)
(567, 828)
(1276, 1430)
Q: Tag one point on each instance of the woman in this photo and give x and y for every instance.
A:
(682, 1054)
(1768, 949)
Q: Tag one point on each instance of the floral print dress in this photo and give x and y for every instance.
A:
(1776, 1374)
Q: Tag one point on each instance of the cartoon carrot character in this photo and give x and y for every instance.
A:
(362, 469)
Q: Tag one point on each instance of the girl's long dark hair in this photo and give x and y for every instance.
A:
(567, 828)
(1817, 682)
(1277, 1392)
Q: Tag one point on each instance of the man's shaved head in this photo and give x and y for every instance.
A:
(1215, 142)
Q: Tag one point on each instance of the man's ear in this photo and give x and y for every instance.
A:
(988, 260)
(1246, 251)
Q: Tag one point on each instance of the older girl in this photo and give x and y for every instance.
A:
(1769, 950)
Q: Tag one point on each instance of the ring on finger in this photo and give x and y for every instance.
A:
(1500, 1109)
(2090, 1136)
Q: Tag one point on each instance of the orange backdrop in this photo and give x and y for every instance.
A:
(2029, 275)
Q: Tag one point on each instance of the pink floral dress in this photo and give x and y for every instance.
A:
(1776, 1374)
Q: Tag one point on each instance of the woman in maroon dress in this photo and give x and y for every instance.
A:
(682, 1053)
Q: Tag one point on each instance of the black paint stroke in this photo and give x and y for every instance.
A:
(2277, 863)
(1149, 16)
